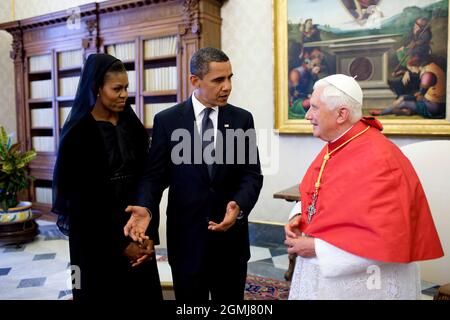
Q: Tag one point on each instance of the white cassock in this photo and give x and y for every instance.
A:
(337, 274)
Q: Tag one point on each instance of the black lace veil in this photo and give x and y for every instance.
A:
(91, 78)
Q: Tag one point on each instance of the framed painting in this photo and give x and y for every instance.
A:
(396, 50)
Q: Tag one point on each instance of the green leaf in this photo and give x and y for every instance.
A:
(13, 173)
(3, 137)
(7, 167)
(28, 156)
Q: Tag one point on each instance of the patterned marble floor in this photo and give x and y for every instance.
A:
(38, 270)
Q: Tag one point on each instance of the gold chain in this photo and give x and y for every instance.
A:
(328, 154)
(312, 206)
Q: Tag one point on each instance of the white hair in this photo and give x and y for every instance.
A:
(333, 98)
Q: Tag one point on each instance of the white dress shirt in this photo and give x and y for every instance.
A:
(199, 113)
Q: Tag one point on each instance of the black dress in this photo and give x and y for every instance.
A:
(99, 164)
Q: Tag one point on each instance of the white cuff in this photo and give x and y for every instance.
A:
(297, 209)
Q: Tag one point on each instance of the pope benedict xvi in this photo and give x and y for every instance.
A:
(364, 217)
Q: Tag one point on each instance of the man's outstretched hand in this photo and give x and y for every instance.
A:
(138, 223)
(229, 219)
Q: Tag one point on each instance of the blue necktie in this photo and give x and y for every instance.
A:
(207, 124)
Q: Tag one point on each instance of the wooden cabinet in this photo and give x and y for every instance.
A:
(154, 39)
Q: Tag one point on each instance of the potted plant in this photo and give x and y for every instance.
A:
(14, 178)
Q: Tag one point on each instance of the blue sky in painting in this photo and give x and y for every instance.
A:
(333, 12)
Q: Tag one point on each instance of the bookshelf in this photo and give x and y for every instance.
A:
(126, 52)
(160, 76)
(39, 111)
(154, 39)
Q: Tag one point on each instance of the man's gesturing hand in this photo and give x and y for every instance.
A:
(229, 219)
(138, 223)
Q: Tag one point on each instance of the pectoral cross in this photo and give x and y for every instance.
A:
(312, 207)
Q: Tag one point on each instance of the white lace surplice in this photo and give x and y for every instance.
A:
(337, 274)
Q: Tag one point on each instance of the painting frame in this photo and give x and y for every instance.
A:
(408, 127)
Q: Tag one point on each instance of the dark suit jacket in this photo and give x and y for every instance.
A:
(194, 198)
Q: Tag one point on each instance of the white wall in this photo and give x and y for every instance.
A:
(249, 44)
(31, 8)
(7, 96)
